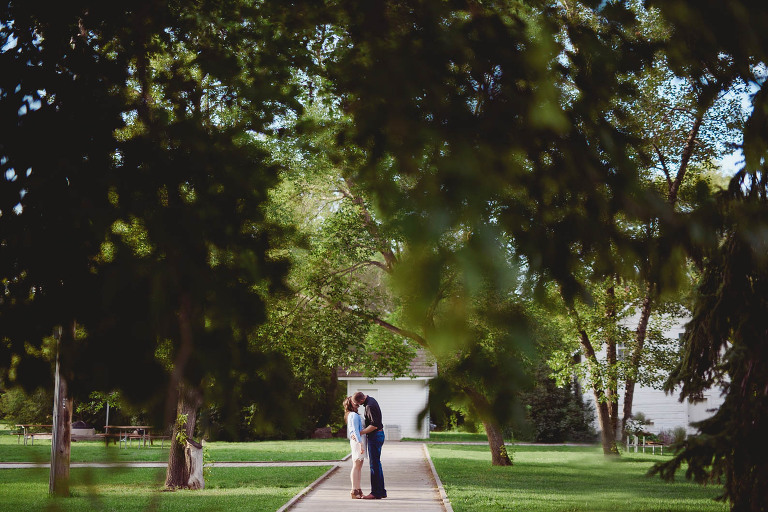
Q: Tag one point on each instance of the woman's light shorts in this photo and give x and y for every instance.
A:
(356, 455)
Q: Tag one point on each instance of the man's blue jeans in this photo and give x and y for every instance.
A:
(375, 442)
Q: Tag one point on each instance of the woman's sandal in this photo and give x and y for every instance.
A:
(356, 494)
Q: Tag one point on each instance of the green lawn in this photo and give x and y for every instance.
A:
(453, 437)
(563, 479)
(134, 490)
(96, 451)
(543, 479)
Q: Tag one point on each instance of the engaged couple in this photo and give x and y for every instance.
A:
(370, 439)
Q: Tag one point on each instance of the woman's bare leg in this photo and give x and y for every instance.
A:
(357, 467)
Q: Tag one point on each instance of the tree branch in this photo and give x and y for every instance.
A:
(663, 165)
(385, 248)
(338, 305)
(690, 143)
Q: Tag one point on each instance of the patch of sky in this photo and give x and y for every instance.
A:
(11, 175)
(10, 43)
(30, 104)
(760, 72)
(731, 162)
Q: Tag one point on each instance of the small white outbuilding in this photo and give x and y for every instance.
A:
(401, 399)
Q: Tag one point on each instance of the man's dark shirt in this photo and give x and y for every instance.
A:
(373, 413)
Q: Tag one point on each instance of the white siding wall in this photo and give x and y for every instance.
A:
(666, 411)
(401, 401)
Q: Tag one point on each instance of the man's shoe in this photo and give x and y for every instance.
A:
(371, 497)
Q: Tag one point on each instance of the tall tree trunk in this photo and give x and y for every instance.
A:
(607, 433)
(611, 383)
(607, 430)
(58, 482)
(499, 454)
(188, 401)
(179, 470)
(640, 335)
(482, 408)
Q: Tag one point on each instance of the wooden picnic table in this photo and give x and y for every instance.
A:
(127, 433)
(28, 432)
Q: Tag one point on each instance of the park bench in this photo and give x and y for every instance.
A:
(653, 445)
(31, 431)
(162, 438)
(109, 436)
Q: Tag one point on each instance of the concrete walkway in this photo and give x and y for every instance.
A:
(409, 477)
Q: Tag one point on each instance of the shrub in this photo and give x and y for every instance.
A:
(16, 406)
(558, 414)
(674, 436)
(679, 434)
(666, 437)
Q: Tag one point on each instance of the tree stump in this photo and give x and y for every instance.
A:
(193, 453)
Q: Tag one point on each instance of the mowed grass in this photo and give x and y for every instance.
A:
(140, 489)
(96, 451)
(454, 437)
(563, 479)
(543, 478)
(134, 490)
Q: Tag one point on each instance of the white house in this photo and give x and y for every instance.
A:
(401, 399)
(665, 411)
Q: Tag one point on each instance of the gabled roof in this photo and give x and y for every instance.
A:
(423, 365)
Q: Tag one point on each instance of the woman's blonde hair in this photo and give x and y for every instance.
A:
(349, 406)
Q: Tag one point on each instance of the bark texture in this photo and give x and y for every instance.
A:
(58, 482)
(178, 473)
(193, 455)
(187, 404)
(499, 454)
(637, 353)
(607, 425)
(611, 381)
